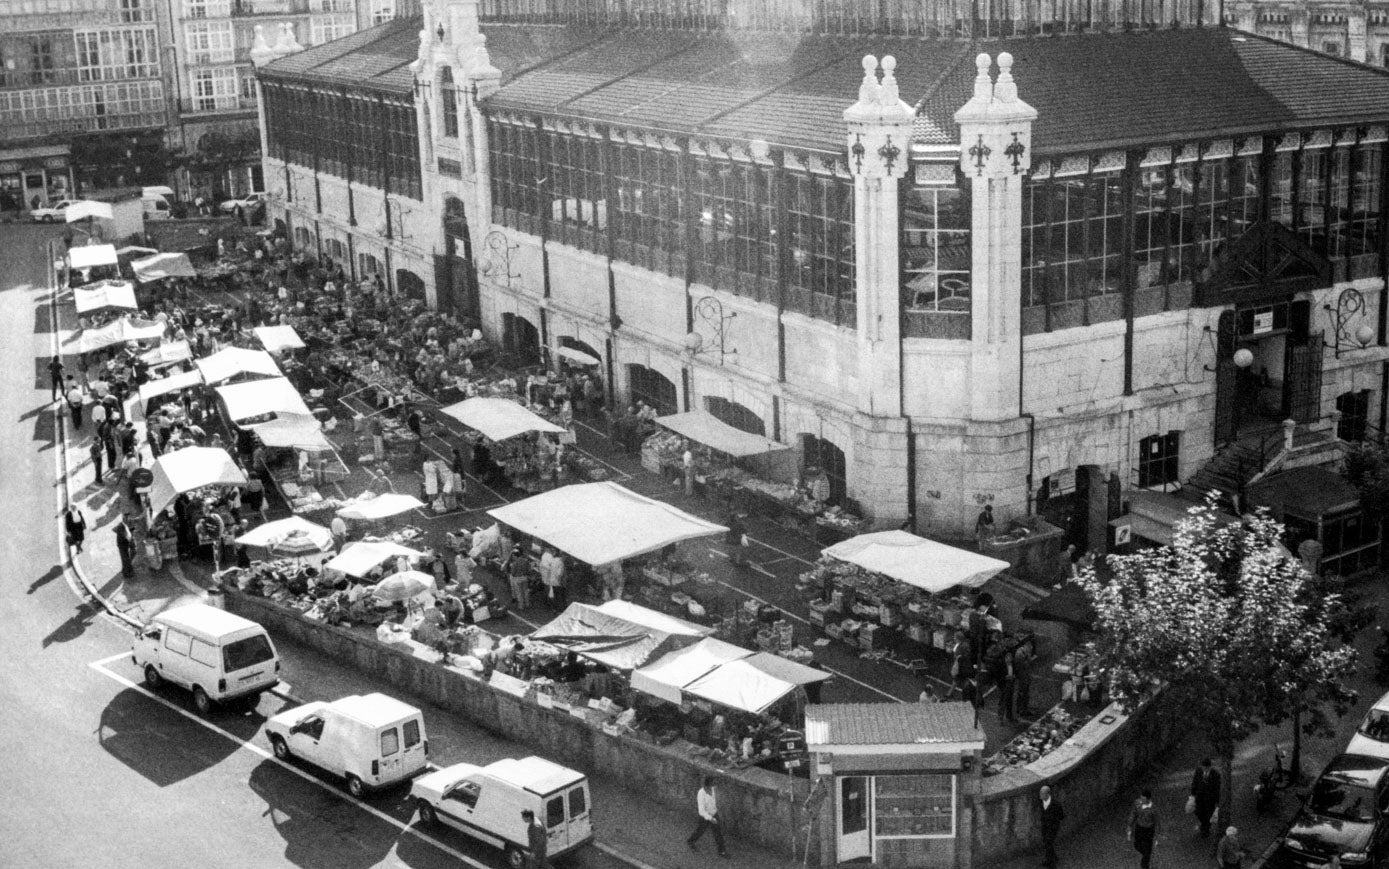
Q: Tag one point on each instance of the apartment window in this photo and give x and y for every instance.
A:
(382, 11)
(209, 41)
(332, 5)
(248, 85)
(41, 59)
(1158, 459)
(448, 99)
(136, 11)
(326, 28)
(206, 8)
(1355, 415)
(368, 265)
(104, 55)
(1331, 48)
(214, 89)
(936, 249)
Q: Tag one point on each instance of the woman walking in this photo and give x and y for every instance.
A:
(75, 524)
(1143, 827)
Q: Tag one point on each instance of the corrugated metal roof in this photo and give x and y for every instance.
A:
(890, 724)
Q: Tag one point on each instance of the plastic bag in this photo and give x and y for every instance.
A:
(1190, 805)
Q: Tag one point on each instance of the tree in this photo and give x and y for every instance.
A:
(1233, 631)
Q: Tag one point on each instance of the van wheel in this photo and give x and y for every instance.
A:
(427, 813)
(281, 749)
(152, 677)
(201, 701)
(355, 787)
(515, 857)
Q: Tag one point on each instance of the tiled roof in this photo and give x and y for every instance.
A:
(1092, 91)
(890, 724)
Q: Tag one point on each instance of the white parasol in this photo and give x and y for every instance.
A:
(403, 586)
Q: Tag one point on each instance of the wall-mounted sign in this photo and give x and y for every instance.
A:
(1263, 322)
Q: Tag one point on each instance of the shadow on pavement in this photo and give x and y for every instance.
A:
(414, 851)
(51, 574)
(74, 627)
(156, 742)
(322, 829)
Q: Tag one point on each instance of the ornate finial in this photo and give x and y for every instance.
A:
(868, 90)
(888, 94)
(983, 85)
(259, 43)
(261, 52)
(290, 38)
(1007, 90)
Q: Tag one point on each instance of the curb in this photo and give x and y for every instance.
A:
(60, 429)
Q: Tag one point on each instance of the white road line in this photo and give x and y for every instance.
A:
(613, 852)
(404, 827)
(762, 570)
(864, 684)
(104, 661)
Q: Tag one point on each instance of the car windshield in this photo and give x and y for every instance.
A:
(1376, 725)
(246, 653)
(1340, 799)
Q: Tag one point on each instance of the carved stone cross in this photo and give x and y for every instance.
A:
(858, 151)
(1015, 152)
(889, 152)
(980, 152)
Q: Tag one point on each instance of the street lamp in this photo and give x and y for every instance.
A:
(710, 310)
(1349, 304)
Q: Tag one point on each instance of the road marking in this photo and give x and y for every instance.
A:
(404, 827)
(865, 685)
(104, 661)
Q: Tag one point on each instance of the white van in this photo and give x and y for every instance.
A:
(486, 802)
(217, 655)
(372, 740)
(156, 208)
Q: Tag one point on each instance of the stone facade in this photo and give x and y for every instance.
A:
(1358, 31)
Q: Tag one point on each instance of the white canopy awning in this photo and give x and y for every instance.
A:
(169, 353)
(118, 332)
(740, 685)
(89, 256)
(705, 428)
(599, 523)
(176, 383)
(107, 294)
(231, 361)
(87, 208)
(577, 356)
(191, 468)
(499, 418)
(259, 397)
(608, 639)
(668, 676)
(653, 619)
(361, 558)
(277, 338)
(917, 561)
(291, 430)
(163, 265)
(381, 507)
(132, 250)
(274, 532)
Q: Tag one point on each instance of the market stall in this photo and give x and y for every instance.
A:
(190, 469)
(168, 353)
(379, 507)
(103, 295)
(266, 536)
(256, 400)
(122, 331)
(509, 439)
(602, 523)
(360, 559)
(300, 461)
(90, 256)
(231, 362)
(163, 265)
(753, 684)
(142, 403)
(612, 640)
(277, 339)
(667, 676)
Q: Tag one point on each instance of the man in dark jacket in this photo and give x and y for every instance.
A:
(1205, 790)
(537, 841)
(1052, 814)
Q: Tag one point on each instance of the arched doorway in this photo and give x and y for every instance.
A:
(653, 387)
(734, 414)
(818, 454)
(521, 339)
(568, 342)
(457, 273)
(409, 284)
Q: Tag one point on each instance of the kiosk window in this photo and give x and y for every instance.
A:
(913, 806)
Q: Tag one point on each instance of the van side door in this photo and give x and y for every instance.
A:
(458, 804)
(556, 824)
(306, 739)
(173, 659)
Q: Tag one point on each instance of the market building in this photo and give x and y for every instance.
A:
(1359, 31)
(1110, 261)
(81, 83)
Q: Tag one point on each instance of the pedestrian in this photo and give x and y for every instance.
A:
(108, 440)
(1228, 853)
(707, 803)
(1143, 827)
(75, 524)
(1051, 815)
(537, 841)
(984, 525)
(339, 529)
(75, 402)
(97, 452)
(552, 575)
(1205, 795)
(125, 545)
(98, 413)
(55, 375)
(1006, 680)
(518, 570)
(736, 539)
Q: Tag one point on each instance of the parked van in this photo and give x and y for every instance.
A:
(217, 655)
(372, 740)
(156, 208)
(486, 803)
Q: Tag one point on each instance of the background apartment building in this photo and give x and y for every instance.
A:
(1354, 30)
(215, 79)
(82, 95)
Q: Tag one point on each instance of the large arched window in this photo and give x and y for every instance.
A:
(448, 103)
(653, 387)
(735, 414)
(818, 455)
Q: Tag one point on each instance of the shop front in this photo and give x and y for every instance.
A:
(42, 171)
(898, 778)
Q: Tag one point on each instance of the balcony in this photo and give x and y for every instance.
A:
(253, 8)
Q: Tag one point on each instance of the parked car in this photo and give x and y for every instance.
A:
(248, 203)
(217, 655)
(371, 740)
(1344, 815)
(52, 213)
(1372, 736)
(485, 802)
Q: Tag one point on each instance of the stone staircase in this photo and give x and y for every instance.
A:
(1261, 453)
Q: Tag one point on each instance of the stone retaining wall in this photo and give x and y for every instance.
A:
(753, 801)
